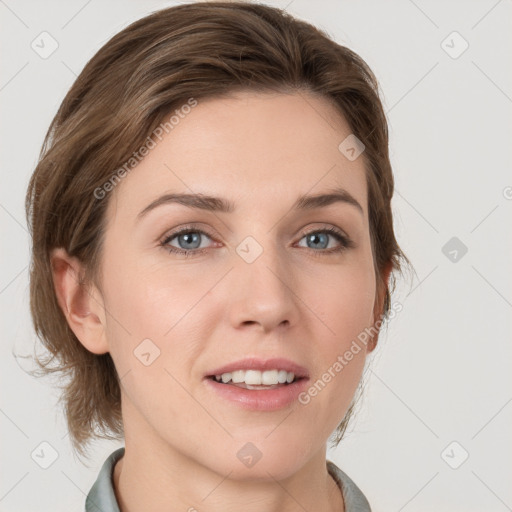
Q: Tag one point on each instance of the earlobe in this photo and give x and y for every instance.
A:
(82, 305)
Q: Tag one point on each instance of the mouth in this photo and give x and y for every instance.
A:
(258, 384)
(257, 379)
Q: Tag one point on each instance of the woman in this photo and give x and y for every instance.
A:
(213, 250)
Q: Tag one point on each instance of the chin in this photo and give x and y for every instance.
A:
(266, 469)
(267, 457)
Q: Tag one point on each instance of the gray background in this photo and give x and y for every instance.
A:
(442, 372)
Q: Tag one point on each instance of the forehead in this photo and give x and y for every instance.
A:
(261, 150)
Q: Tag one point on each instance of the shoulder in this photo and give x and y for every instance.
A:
(355, 500)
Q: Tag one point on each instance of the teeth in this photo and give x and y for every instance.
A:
(257, 378)
(237, 376)
(253, 377)
(270, 377)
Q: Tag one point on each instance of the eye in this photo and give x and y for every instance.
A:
(319, 239)
(188, 240)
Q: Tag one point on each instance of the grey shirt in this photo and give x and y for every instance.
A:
(101, 497)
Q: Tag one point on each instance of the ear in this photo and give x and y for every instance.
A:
(81, 304)
(382, 288)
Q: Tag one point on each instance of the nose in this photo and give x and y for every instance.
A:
(262, 291)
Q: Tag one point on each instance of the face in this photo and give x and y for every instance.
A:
(265, 279)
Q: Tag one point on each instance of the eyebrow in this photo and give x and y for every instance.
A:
(218, 204)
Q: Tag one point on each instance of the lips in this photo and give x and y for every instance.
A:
(258, 397)
(255, 398)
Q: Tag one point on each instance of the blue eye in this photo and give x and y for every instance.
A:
(189, 240)
(187, 237)
(322, 237)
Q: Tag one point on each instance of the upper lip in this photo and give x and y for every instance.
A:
(254, 363)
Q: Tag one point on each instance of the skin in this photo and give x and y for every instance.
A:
(261, 151)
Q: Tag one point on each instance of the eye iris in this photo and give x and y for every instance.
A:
(315, 236)
(189, 238)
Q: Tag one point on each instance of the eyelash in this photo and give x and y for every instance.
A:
(346, 243)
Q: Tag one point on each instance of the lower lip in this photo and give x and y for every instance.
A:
(259, 399)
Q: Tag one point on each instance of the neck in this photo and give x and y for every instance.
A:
(156, 477)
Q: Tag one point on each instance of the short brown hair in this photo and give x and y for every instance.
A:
(199, 50)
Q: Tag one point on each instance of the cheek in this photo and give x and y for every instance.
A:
(344, 301)
(345, 307)
(146, 323)
(346, 310)
(154, 328)
(148, 302)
